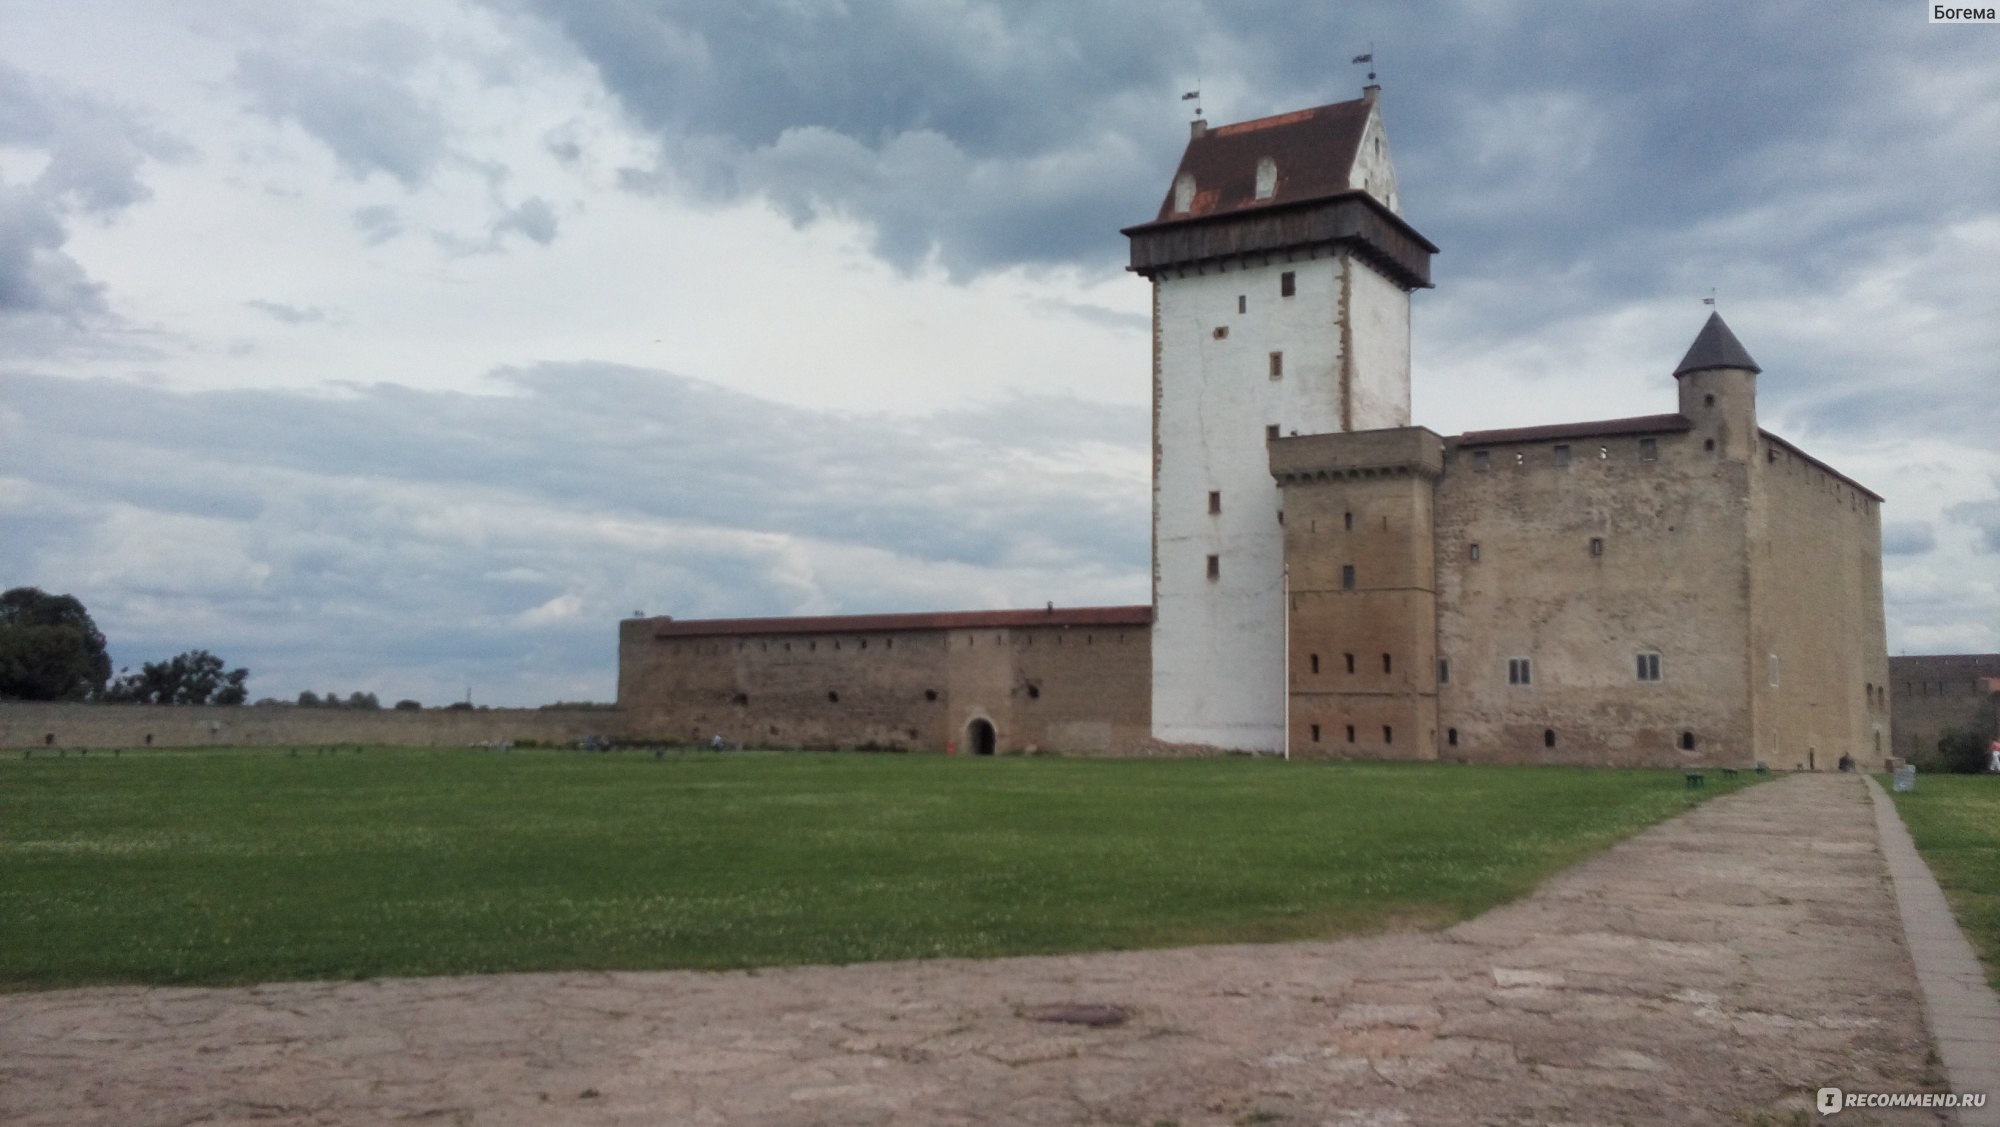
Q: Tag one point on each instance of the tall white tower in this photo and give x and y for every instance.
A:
(1282, 272)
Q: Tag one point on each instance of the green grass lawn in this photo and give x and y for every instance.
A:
(244, 866)
(1955, 821)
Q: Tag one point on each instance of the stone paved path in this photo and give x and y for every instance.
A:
(1715, 969)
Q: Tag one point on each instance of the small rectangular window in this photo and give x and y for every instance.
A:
(1562, 455)
(1387, 665)
(1315, 729)
(1388, 734)
(1649, 449)
(1482, 460)
(1288, 284)
(1597, 545)
(1271, 433)
(1649, 667)
(1242, 303)
(1444, 671)
(1347, 577)
(1215, 567)
(1472, 552)
(1214, 501)
(1350, 733)
(1350, 522)
(1315, 663)
(1277, 365)
(1520, 671)
(1350, 662)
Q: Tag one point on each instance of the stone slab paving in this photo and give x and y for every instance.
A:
(1717, 968)
(1959, 1005)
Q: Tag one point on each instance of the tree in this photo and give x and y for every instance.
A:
(195, 677)
(409, 706)
(49, 648)
(363, 702)
(308, 699)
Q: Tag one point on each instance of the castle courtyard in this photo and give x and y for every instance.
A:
(1717, 968)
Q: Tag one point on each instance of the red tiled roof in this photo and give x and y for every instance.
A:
(1313, 149)
(1605, 428)
(876, 623)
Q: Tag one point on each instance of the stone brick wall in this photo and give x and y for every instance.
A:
(1818, 649)
(1068, 688)
(1363, 657)
(1934, 692)
(25, 724)
(1670, 577)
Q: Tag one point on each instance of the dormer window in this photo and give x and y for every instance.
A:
(1267, 178)
(1183, 193)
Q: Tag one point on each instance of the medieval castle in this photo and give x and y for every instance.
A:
(1330, 580)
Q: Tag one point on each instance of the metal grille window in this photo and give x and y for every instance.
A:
(1520, 671)
(1649, 667)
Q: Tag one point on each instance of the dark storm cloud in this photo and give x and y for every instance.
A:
(93, 154)
(355, 92)
(988, 134)
(1590, 137)
(500, 536)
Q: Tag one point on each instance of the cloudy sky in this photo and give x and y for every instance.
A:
(406, 347)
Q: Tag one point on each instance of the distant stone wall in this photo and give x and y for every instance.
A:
(1074, 687)
(1935, 692)
(25, 724)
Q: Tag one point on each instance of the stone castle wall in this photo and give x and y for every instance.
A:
(1933, 693)
(1060, 688)
(34, 724)
(1580, 568)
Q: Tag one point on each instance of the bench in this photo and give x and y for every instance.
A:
(1696, 780)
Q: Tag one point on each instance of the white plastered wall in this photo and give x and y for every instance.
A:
(1218, 645)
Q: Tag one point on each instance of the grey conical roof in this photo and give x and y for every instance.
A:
(1716, 347)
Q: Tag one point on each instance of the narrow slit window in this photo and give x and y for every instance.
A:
(1315, 663)
(1350, 522)
(1388, 665)
(1548, 737)
(1214, 501)
(1315, 731)
(1277, 365)
(1350, 733)
(1288, 284)
(1350, 662)
(1388, 734)
(1597, 545)
(1242, 303)
(1472, 552)
(1451, 736)
(1444, 671)
(1215, 567)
